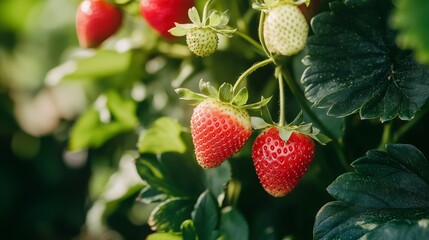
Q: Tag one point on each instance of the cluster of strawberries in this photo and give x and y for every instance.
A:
(220, 124)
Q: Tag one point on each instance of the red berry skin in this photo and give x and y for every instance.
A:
(96, 20)
(162, 14)
(279, 164)
(218, 130)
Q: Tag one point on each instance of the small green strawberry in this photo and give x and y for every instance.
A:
(285, 28)
(220, 124)
(202, 36)
(282, 154)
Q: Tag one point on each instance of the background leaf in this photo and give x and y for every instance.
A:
(233, 225)
(386, 198)
(413, 31)
(217, 178)
(163, 136)
(355, 65)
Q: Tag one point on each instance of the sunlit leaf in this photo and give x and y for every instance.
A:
(169, 215)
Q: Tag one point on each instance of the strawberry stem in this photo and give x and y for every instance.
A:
(258, 46)
(279, 77)
(249, 71)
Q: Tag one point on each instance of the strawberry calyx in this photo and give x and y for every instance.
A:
(269, 4)
(215, 21)
(296, 125)
(224, 94)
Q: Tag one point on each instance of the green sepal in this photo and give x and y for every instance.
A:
(226, 94)
(241, 97)
(214, 18)
(265, 113)
(180, 29)
(258, 123)
(285, 133)
(298, 119)
(321, 138)
(194, 16)
(187, 94)
(257, 105)
(207, 89)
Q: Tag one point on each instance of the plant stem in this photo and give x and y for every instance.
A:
(409, 125)
(279, 77)
(258, 46)
(249, 71)
(303, 102)
(261, 35)
(387, 135)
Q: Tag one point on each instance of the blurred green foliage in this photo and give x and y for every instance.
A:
(124, 92)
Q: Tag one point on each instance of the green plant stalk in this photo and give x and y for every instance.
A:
(387, 136)
(282, 100)
(303, 102)
(261, 35)
(250, 71)
(409, 125)
(255, 44)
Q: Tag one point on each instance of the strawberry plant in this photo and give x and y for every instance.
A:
(245, 119)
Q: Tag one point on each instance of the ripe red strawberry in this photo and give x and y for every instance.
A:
(279, 164)
(161, 14)
(96, 20)
(285, 29)
(220, 124)
(219, 130)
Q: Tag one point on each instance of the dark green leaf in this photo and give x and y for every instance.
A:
(386, 198)
(233, 225)
(206, 216)
(169, 215)
(413, 31)
(163, 136)
(188, 230)
(217, 178)
(151, 170)
(225, 92)
(241, 98)
(355, 65)
(150, 195)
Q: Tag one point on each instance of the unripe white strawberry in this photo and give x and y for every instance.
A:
(285, 30)
(202, 41)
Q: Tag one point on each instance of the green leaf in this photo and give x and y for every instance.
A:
(410, 19)
(164, 236)
(102, 63)
(150, 195)
(355, 65)
(233, 225)
(152, 171)
(226, 93)
(186, 94)
(169, 215)
(217, 178)
(101, 123)
(163, 136)
(188, 230)
(386, 198)
(207, 89)
(241, 97)
(206, 216)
